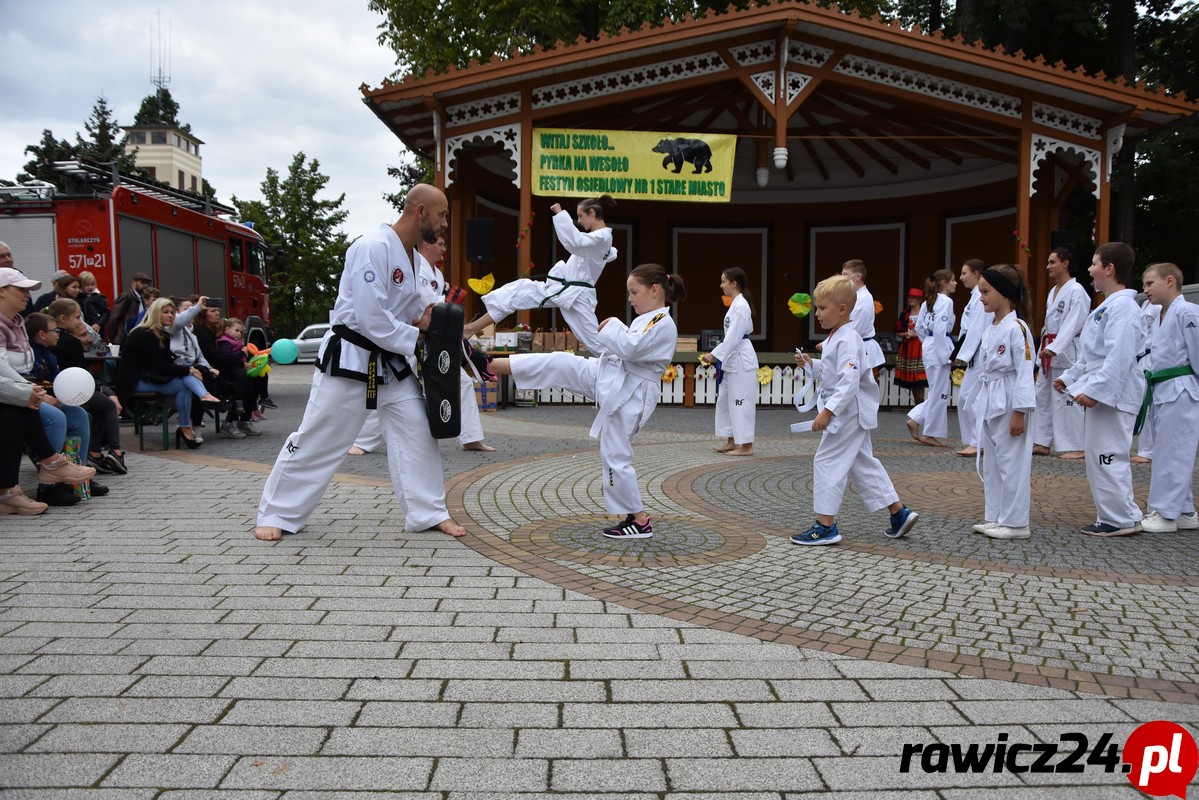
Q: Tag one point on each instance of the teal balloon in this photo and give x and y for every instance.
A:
(284, 351)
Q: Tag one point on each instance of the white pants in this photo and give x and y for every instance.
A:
(1170, 487)
(737, 406)
(967, 422)
(933, 413)
(1145, 438)
(846, 454)
(1108, 438)
(577, 374)
(1007, 472)
(333, 417)
(370, 438)
(1059, 420)
(577, 306)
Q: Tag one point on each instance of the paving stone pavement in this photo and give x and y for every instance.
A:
(151, 648)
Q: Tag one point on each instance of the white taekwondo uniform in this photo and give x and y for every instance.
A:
(1059, 420)
(1004, 384)
(1107, 371)
(626, 383)
(849, 391)
(974, 321)
(1174, 411)
(589, 252)
(433, 286)
(935, 347)
(862, 320)
(378, 298)
(737, 398)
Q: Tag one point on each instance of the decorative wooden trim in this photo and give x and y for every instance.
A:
(609, 83)
(1041, 147)
(1077, 124)
(509, 136)
(929, 85)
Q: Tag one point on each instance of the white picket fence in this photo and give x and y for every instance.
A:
(780, 391)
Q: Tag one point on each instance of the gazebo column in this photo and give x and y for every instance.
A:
(525, 171)
(1024, 189)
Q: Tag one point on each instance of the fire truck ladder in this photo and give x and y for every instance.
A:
(103, 178)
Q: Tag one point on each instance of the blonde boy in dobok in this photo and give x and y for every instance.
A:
(1172, 401)
(848, 398)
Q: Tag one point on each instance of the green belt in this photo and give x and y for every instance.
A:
(1152, 378)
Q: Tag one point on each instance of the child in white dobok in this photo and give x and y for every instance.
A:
(625, 380)
(1172, 401)
(1002, 398)
(570, 285)
(736, 368)
(934, 326)
(1059, 420)
(1107, 381)
(849, 399)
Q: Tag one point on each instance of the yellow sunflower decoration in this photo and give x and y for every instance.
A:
(800, 304)
(957, 375)
(670, 374)
(482, 285)
(765, 375)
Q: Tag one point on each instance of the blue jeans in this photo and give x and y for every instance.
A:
(67, 421)
(183, 389)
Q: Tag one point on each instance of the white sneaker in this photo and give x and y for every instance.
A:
(983, 527)
(1156, 523)
(1005, 532)
(1188, 522)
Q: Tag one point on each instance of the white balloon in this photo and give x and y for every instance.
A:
(74, 386)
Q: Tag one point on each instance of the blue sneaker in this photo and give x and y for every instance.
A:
(902, 521)
(818, 534)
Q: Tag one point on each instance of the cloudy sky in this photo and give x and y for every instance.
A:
(258, 81)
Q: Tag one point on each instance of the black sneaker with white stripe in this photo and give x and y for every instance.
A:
(630, 529)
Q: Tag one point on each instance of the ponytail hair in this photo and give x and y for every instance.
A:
(672, 285)
(597, 204)
(932, 287)
(737, 276)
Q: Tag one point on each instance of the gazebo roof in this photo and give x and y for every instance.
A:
(854, 124)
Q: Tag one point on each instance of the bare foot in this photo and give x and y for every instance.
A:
(356, 451)
(268, 534)
(481, 446)
(1040, 450)
(740, 451)
(968, 451)
(931, 442)
(1073, 455)
(724, 448)
(450, 527)
(914, 429)
(1140, 460)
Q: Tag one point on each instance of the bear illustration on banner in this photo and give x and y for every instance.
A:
(693, 151)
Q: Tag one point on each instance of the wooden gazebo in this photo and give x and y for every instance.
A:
(854, 139)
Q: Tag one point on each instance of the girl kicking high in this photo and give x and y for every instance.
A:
(625, 381)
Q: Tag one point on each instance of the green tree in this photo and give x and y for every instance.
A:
(158, 108)
(45, 153)
(301, 228)
(106, 140)
(408, 174)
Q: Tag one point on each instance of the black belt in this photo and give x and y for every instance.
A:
(332, 361)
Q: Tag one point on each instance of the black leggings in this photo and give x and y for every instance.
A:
(106, 428)
(20, 427)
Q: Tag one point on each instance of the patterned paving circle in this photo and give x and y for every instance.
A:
(677, 541)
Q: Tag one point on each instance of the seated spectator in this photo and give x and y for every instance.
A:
(104, 408)
(60, 420)
(16, 393)
(148, 365)
(46, 299)
(93, 302)
(232, 354)
(187, 350)
(21, 429)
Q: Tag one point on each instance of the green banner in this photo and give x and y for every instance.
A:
(633, 165)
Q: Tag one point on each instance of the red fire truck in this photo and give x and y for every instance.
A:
(113, 226)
